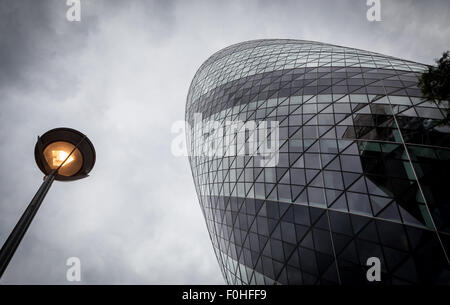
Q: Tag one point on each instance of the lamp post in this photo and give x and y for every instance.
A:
(62, 154)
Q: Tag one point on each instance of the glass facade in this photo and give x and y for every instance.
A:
(362, 167)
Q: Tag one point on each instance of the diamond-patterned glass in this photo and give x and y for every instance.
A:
(362, 169)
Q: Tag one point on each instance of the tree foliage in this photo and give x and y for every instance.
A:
(435, 83)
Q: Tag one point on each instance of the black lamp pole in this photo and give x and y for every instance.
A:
(14, 239)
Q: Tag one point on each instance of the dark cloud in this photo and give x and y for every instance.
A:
(121, 75)
(33, 35)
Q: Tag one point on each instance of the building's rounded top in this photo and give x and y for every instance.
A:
(265, 55)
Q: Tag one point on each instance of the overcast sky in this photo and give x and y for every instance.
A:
(121, 76)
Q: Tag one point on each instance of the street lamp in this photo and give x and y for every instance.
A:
(62, 154)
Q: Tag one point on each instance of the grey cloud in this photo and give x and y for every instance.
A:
(34, 34)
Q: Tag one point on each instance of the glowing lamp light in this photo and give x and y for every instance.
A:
(59, 153)
(60, 156)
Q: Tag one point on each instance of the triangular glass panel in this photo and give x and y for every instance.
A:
(340, 204)
(390, 212)
(379, 203)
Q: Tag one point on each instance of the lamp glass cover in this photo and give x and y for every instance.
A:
(56, 153)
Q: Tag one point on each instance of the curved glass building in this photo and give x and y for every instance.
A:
(361, 168)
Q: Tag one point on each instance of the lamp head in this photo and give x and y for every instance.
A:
(66, 150)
